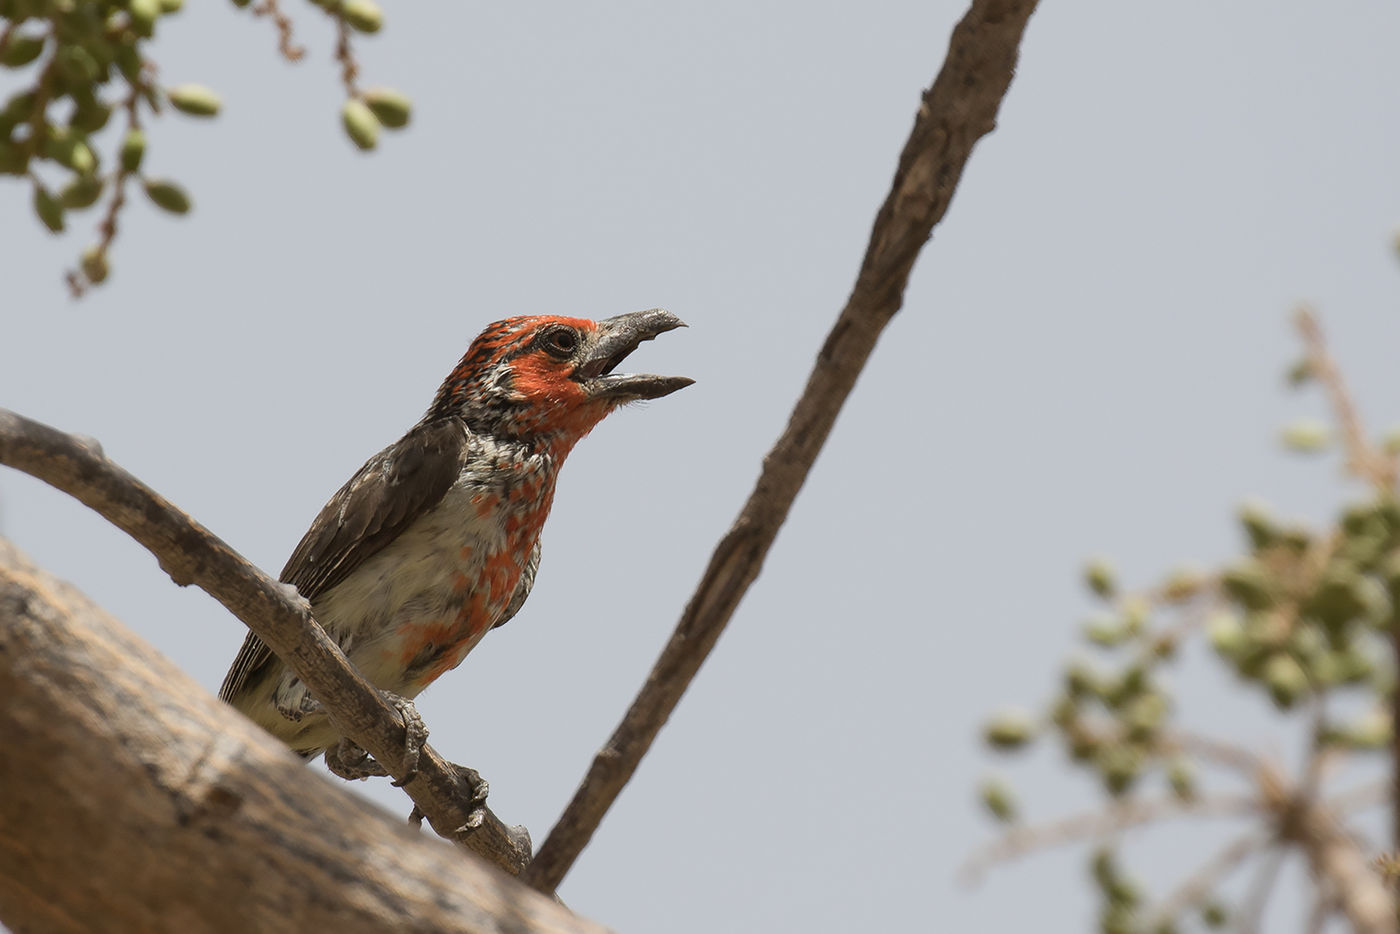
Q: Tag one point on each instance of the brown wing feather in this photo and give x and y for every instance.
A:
(383, 498)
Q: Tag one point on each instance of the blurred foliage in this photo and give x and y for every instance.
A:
(1303, 618)
(76, 128)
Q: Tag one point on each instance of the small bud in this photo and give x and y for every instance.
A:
(171, 6)
(1390, 441)
(1258, 522)
(1226, 634)
(95, 265)
(999, 799)
(1083, 745)
(1105, 630)
(75, 65)
(1300, 372)
(1250, 583)
(1296, 538)
(361, 125)
(143, 15)
(363, 15)
(1009, 729)
(49, 210)
(1181, 775)
(1144, 716)
(1104, 868)
(1372, 731)
(1214, 915)
(71, 151)
(21, 50)
(91, 117)
(1080, 679)
(1099, 578)
(167, 195)
(193, 99)
(133, 149)
(392, 108)
(1306, 436)
(1182, 584)
(82, 192)
(1135, 613)
(1119, 766)
(1340, 595)
(1285, 679)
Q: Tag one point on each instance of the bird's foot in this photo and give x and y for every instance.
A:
(348, 759)
(415, 735)
(472, 790)
(294, 702)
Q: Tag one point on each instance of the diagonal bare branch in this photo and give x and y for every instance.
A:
(191, 554)
(956, 112)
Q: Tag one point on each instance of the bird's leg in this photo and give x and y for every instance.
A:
(474, 790)
(350, 762)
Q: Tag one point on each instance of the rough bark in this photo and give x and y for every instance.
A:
(133, 800)
(957, 111)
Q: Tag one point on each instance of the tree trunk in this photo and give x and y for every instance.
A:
(132, 800)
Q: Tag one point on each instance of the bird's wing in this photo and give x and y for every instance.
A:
(522, 589)
(383, 498)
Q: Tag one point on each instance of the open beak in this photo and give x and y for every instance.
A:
(615, 339)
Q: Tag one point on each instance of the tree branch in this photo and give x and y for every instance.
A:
(957, 111)
(1117, 817)
(191, 554)
(134, 801)
(1340, 867)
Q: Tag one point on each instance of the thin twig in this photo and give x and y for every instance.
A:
(1367, 462)
(1368, 795)
(1251, 911)
(286, 43)
(1220, 752)
(1363, 460)
(345, 55)
(191, 554)
(957, 111)
(1117, 817)
(1198, 886)
(1323, 907)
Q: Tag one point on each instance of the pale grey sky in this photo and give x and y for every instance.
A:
(1089, 361)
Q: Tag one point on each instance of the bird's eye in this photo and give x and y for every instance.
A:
(559, 342)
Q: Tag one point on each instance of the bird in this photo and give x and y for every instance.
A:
(435, 541)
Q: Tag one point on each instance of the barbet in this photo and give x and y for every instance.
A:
(436, 539)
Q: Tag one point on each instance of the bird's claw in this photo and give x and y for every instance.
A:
(473, 790)
(415, 736)
(350, 761)
(296, 702)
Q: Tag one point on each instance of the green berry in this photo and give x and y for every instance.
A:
(167, 195)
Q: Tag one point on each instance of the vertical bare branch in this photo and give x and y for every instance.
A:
(956, 112)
